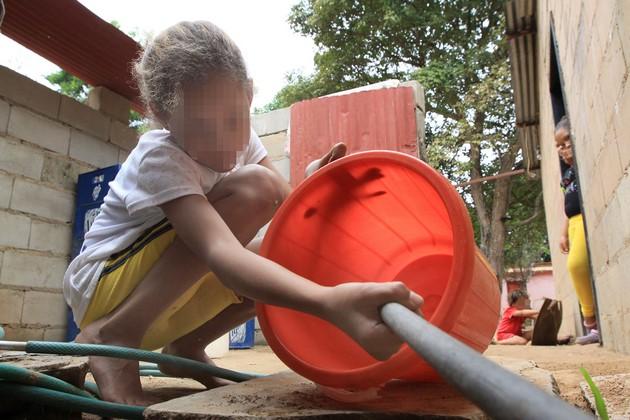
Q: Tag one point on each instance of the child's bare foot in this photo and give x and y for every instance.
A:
(118, 380)
(199, 355)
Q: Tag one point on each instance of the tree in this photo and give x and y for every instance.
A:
(70, 85)
(456, 49)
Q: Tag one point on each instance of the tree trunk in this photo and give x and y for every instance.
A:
(492, 221)
(500, 204)
(476, 190)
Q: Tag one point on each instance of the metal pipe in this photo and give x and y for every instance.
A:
(13, 345)
(497, 391)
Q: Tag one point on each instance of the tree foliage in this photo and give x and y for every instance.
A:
(457, 50)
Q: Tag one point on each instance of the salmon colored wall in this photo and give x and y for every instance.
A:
(375, 119)
(539, 286)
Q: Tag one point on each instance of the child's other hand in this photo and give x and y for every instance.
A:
(355, 308)
(337, 151)
(564, 244)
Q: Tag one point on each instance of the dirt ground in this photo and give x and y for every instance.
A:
(562, 361)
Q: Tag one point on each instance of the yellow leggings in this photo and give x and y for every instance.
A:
(578, 266)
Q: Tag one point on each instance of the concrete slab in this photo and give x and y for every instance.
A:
(289, 396)
(67, 368)
(616, 392)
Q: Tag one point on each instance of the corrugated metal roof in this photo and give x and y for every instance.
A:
(71, 36)
(521, 34)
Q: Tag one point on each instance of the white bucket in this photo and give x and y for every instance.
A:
(219, 347)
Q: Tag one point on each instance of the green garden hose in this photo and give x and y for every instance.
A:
(76, 349)
(27, 385)
(69, 402)
(24, 376)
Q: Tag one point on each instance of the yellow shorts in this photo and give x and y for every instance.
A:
(124, 270)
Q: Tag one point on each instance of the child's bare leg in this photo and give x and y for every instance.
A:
(193, 345)
(246, 200)
(514, 340)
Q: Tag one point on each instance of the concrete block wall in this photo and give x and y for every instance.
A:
(46, 141)
(273, 130)
(594, 52)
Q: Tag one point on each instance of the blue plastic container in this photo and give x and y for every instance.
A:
(92, 187)
(242, 337)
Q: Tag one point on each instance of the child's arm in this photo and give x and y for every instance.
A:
(353, 306)
(526, 313)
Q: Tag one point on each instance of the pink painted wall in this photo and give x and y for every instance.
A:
(539, 286)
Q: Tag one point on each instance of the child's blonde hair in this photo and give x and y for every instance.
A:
(184, 52)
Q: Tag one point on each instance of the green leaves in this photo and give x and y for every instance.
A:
(600, 404)
(69, 85)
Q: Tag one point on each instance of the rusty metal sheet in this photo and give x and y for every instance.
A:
(71, 36)
(376, 119)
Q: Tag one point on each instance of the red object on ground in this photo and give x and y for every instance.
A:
(509, 325)
(382, 119)
(377, 216)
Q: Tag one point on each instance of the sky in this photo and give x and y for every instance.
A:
(260, 28)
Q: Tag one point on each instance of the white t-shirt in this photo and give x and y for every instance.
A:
(156, 172)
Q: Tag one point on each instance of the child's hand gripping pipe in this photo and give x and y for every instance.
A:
(500, 393)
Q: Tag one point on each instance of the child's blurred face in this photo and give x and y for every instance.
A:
(211, 122)
(522, 302)
(564, 146)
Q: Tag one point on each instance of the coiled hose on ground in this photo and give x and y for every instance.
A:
(27, 385)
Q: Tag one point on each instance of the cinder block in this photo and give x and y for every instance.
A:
(620, 124)
(34, 128)
(603, 21)
(27, 269)
(20, 159)
(597, 194)
(612, 225)
(122, 156)
(276, 145)
(15, 229)
(593, 62)
(271, 122)
(84, 118)
(23, 333)
(55, 334)
(53, 237)
(623, 197)
(623, 24)
(6, 187)
(44, 308)
(110, 103)
(610, 168)
(92, 150)
(122, 135)
(598, 247)
(284, 167)
(11, 302)
(24, 91)
(612, 76)
(42, 201)
(4, 117)
(61, 171)
(596, 129)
